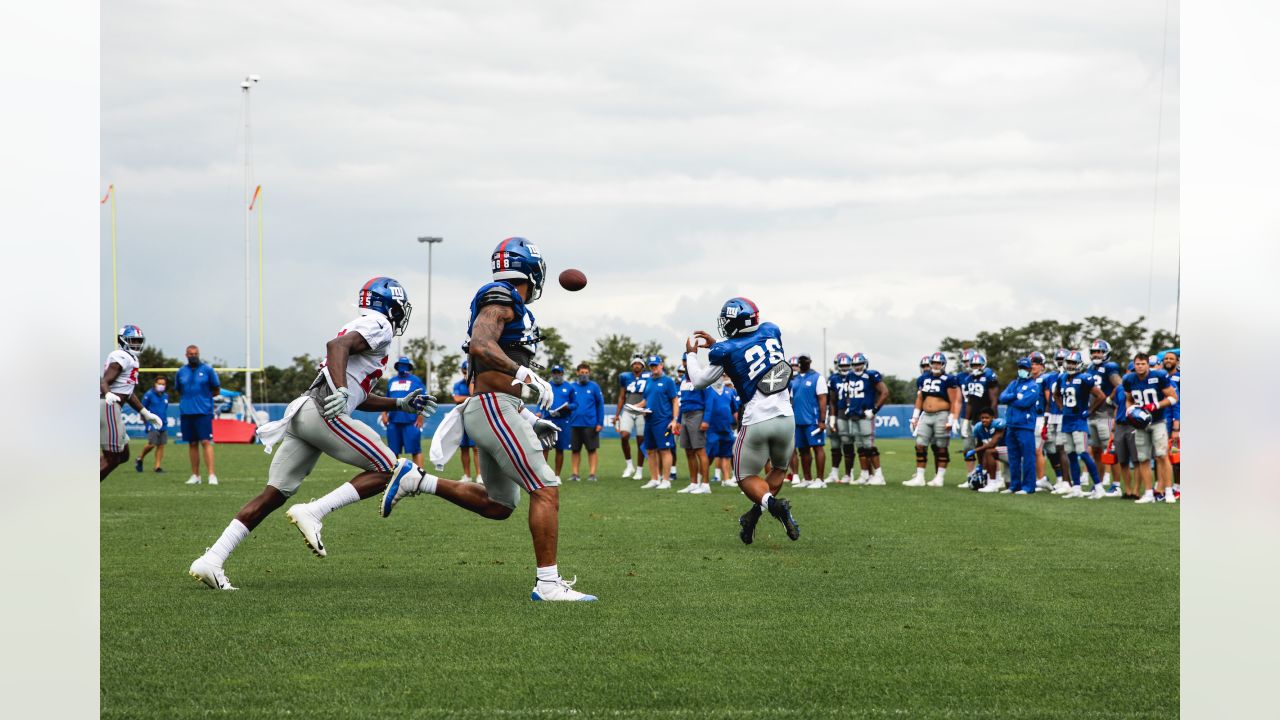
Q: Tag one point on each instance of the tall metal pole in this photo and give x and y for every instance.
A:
(430, 241)
(245, 85)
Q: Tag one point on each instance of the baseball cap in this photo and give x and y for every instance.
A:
(655, 360)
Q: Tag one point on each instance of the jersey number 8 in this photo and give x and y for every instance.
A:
(756, 355)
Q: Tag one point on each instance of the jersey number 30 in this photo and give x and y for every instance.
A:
(763, 357)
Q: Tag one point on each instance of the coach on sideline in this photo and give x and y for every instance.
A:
(197, 383)
(1021, 396)
(586, 422)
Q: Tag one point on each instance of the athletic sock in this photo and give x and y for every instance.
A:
(919, 473)
(1073, 466)
(764, 501)
(230, 538)
(343, 495)
(427, 483)
(550, 573)
(1093, 470)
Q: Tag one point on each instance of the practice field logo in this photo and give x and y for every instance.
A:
(887, 421)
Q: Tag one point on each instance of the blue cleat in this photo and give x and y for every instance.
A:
(398, 486)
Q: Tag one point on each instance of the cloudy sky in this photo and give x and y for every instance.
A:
(892, 172)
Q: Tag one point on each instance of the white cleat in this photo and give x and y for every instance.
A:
(914, 482)
(1170, 499)
(1074, 492)
(1007, 491)
(651, 485)
(687, 489)
(206, 572)
(990, 488)
(1114, 493)
(936, 482)
(626, 473)
(833, 477)
(800, 483)
(464, 479)
(664, 485)
(1097, 494)
(213, 479)
(1147, 498)
(300, 515)
(639, 474)
(406, 479)
(703, 489)
(1022, 492)
(1043, 484)
(559, 591)
(730, 483)
(193, 480)
(848, 480)
(1061, 487)
(479, 480)
(876, 480)
(817, 485)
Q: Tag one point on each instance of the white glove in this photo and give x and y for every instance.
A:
(152, 418)
(335, 404)
(951, 422)
(545, 393)
(869, 414)
(111, 398)
(831, 424)
(416, 402)
(547, 432)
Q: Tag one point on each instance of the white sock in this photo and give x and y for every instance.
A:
(764, 501)
(427, 483)
(550, 573)
(942, 472)
(1106, 478)
(879, 472)
(230, 538)
(343, 495)
(919, 473)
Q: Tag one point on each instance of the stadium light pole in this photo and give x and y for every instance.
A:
(245, 85)
(431, 242)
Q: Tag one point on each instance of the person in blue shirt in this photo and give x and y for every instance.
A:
(470, 454)
(1172, 363)
(404, 429)
(1124, 445)
(990, 449)
(157, 401)
(662, 401)
(197, 383)
(693, 434)
(586, 422)
(722, 417)
(1151, 391)
(1075, 390)
(1108, 372)
(1022, 396)
(563, 403)
(809, 401)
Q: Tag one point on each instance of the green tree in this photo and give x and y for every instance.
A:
(151, 357)
(444, 365)
(554, 350)
(901, 392)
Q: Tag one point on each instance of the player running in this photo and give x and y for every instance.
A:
(631, 388)
(119, 379)
(937, 405)
(1075, 389)
(751, 355)
(319, 423)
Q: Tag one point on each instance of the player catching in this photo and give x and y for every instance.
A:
(119, 379)
(752, 356)
(319, 423)
(502, 338)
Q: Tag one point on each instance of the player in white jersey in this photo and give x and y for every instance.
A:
(119, 378)
(319, 422)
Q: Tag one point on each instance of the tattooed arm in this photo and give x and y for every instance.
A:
(485, 333)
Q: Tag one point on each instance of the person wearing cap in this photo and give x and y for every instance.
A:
(631, 387)
(470, 455)
(404, 429)
(809, 400)
(1022, 396)
(693, 434)
(586, 422)
(563, 403)
(662, 400)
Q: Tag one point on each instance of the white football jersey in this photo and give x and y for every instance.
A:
(364, 369)
(127, 380)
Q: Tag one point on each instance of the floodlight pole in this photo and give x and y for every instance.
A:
(431, 242)
(245, 85)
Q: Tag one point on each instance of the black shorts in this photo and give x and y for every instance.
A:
(588, 436)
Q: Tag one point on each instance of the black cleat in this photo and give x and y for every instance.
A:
(781, 509)
(748, 522)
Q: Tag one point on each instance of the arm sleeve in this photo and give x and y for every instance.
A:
(701, 372)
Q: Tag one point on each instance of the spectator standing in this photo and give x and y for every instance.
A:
(197, 383)
(404, 429)
(586, 422)
(157, 401)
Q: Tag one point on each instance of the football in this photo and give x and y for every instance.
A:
(573, 280)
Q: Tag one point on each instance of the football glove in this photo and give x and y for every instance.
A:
(335, 404)
(416, 402)
(869, 414)
(525, 376)
(1150, 407)
(547, 432)
(152, 418)
(111, 398)
(970, 454)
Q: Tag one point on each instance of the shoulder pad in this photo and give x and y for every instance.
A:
(495, 294)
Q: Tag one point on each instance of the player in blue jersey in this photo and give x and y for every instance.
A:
(693, 434)
(833, 405)
(404, 429)
(1124, 445)
(502, 339)
(1151, 391)
(809, 403)
(662, 400)
(862, 393)
(751, 355)
(1054, 440)
(1076, 389)
(1100, 416)
(630, 416)
(1171, 361)
(990, 450)
(563, 404)
(461, 391)
(936, 410)
(979, 389)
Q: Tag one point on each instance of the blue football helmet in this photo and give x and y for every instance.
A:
(1138, 417)
(977, 363)
(978, 478)
(737, 316)
(936, 359)
(518, 259)
(844, 362)
(388, 297)
(924, 363)
(1100, 351)
(406, 362)
(859, 362)
(1073, 363)
(1036, 356)
(130, 339)
(1060, 357)
(967, 355)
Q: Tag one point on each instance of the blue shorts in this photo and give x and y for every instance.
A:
(807, 438)
(467, 442)
(197, 427)
(404, 437)
(565, 438)
(656, 435)
(720, 443)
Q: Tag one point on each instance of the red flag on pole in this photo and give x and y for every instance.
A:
(255, 197)
(108, 195)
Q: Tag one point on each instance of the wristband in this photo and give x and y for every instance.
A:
(915, 414)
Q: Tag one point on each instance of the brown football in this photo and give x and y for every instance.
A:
(573, 280)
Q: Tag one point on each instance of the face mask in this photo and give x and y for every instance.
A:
(193, 360)
(582, 379)
(1024, 374)
(160, 388)
(557, 379)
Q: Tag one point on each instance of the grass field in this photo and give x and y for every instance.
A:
(895, 602)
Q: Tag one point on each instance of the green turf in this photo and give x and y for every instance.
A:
(911, 602)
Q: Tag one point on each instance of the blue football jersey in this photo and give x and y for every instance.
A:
(1077, 391)
(1105, 372)
(1051, 384)
(633, 386)
(1148, 390)
(859, 391)
(931, 385)
(983, 434)
(974, 390)
(804, 397)
(520, 335)
(752, 362)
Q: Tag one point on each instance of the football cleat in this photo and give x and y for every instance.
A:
(1097, 494)
(748, 522)
(650, 485)
(138, 465)
(687, 489)
(1074, 492)
(914, 482)
(400, 486)
(1021, 492)
(206, 572)
(664, 485)
(1170, 498)
(627, 471)
(876, 479)
(559, 590)
(935, 482)
(1146, 498)
(702, 489)
(731, 483)
(780, 509)
(639, 474)
(300, 515)
(800, 483)
(990, 488)
(213, 479)
(817, 485)
(1043, 484)
(193, 480)
(592, 478)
